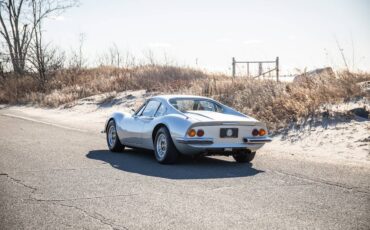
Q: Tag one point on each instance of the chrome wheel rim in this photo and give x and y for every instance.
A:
(112, 136)
(161, 146)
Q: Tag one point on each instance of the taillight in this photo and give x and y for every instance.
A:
(255, 132)
(191, 132)
(262, 132)
(200, 132)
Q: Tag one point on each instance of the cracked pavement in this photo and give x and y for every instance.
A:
(55, 178)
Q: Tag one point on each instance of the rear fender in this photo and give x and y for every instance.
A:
(178, 124)
(117, 117)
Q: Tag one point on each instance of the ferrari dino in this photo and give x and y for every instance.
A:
(176, 124)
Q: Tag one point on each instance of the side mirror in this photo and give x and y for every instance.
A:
(133, 113)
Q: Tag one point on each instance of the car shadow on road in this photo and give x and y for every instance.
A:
(143, 162)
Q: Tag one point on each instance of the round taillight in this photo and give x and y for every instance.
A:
(255, 132)
(200, 132)
(192, 132)
(262, 132)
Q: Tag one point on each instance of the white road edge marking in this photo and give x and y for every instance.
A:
(43, 122)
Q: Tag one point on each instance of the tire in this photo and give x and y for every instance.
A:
(244, 157)
(164, 148)
(113, 141)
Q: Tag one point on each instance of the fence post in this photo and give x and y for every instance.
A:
(277, 69)
(233, 66)
(248, 69)
(260, 70)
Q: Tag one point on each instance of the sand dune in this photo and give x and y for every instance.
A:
(340, 138)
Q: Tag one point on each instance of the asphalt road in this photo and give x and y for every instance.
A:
(56, 178)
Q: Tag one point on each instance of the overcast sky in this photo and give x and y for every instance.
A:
(208, 33)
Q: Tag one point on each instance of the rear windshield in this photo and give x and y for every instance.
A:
(189, 104)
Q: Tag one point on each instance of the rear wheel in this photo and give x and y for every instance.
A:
(113, 141)
(244, 157)
(164, 148)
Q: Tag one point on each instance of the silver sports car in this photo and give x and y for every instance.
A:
(177, 124)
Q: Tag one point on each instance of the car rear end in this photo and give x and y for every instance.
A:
(223, 138)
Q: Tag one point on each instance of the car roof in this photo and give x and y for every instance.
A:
(168, 97)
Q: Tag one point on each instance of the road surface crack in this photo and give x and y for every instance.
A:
(83, 198)
(343, 186)
(17, 181)
(61, 169)
(95, 216)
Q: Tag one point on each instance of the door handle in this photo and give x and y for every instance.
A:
(143, 118)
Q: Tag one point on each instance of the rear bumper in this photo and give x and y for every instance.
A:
(257, 140)
(195, 141)
(208, 141)
(195, 145)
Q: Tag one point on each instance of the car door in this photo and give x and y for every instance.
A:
(131, 129)
(146, 122)
(149, 125)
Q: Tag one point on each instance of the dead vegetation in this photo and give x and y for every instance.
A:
(279, 104)
(269, 101)
(71, 84)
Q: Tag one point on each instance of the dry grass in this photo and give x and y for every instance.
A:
(279, 104)
(275, 103)
(69, 85)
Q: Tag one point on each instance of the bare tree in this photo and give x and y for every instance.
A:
(16, 36)
(129, 60)
(115, 55)
(150, 57)
(19, 25)
(110, 58)
(77, 60)
(2, 75)
(4, 61)
(44, 59)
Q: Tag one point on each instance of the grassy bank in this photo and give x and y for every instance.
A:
(269, 101)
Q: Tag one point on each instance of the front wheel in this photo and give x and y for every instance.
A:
(164, 148)
(244, 157)
(113, 141)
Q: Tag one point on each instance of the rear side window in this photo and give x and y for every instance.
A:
(161, 111)
(151, 108)
(208, 106)
(195, 104)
